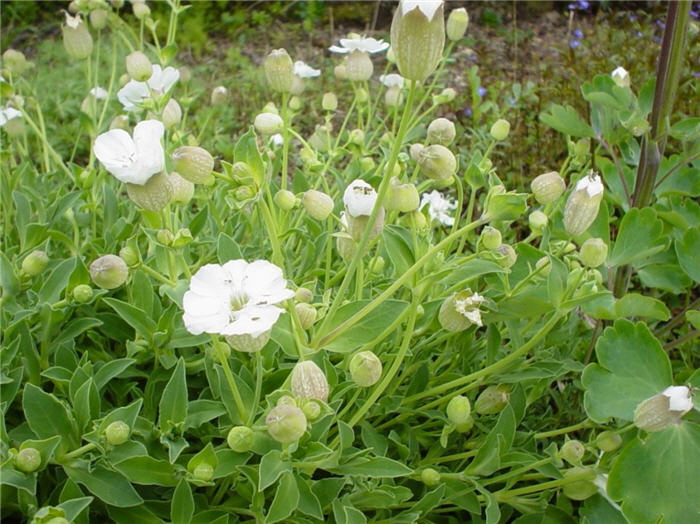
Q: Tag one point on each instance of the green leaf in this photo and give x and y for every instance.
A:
(505, 206)
(110, 487)
(497, 443)
(597, 510)
(632, 366)
(639, 237)
(398, 249)
(11, 477)
(8, 279)
(308, 501)
(110, 370)
(272, 465)
(74, 328)
(201, 411)
(566, 120)
(135, 317)
(47, 417)
(182, 505)
(376, 467)
(45, 447)
(58, 280)
(636, 305)
(75, 507)
(286, 499)
(656, 479)
(173, 403)
(147, 471)
(693, 316)
(205, 456)
(246, 150)
(687, 250)
(227, 249)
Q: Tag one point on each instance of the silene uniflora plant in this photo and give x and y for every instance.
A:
(361, 318)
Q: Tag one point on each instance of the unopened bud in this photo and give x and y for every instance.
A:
(130, 256)
(621, 77)
(193, 163)
(457, 24)
(593, 253)
(318, 205)
(307, 314)
(76, 38)
(572, 451)
(286, 424)
(218, 96)
(165, 237)
(248, 343)
(279, 70)
(141, 10)
(506, 255)
(500, 129)
(329, 102)
(286, 400)
(365, 369)
(285, 199)
(358, 66)
(309, 381)
(15, 62)
(362, 95)
(119, 122)
(583, 204)
(581, 489)
(82, 293)
(357, 137)
(663, 410)
(240, 439)
(28, 460)
(367, 163)
(417, 40)
(268, 124)
(172, 114)
(441, 131)
(417, 220)
(546, 266)
(182, 190)
(34, 263)
(154, 195)
(415, 151)
(340, 72)
(117, 433)
(538, 221)
(459, 410)
(430, 477)
(490, 238)
(203, 471)
(446, 95)
(402, 197)
(98, 18)
(548, 187)
(393, 96)
(437, 162)
(492, 400)
(109, 272)
(304, 295)
(608, 441)
(311, 409)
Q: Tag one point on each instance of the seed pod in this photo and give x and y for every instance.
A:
(154, 195)
(500, 129)
(329, 102)
(490, 238)
(340, 72)
(457, 24)
(441, 131)
(203, 471)
(548, 187)
(415, 151)
(286, 400)
(492, 400)
(108, 272)
(240, 439)
(182, 190)
(506, 255)
(141, 10)
(309, 381)
(365, 369)
(583, 204)
(572, 451)
(286, 423)
(279, 70)
(358, 66)
(357, 225)
(82, 293)
(430, 477)
(393, 96)
(218, 96)
(446, 95)
(402, 197)
(538, 221)
(581, 489)
(285, 199)
(437, 162)
(172, 114)
(608, 441)
(117, 433)
(307, 315)
(663, 410)
(15, 62)
(418, 38)
(318, 205)
(28, 460)
(459, 410)
(367, 164)
(593, 252)
(268, 124)
(34, 263)
(130, 255)
(76, 38)
(193, 163)
(138, 66)
(248, 343)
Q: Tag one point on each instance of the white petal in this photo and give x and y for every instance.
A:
(163, 79)
(678, 398)
(427, 7)
(235, 271)
(359, 198)
(391, 80)
(8, 114)
(210, 281)
(205, 324)
(592, 185)
(303, 70)
(340, 50)
(253, 321)
(262, 277)
(117, 152)
(150, 157)
(197, 305)
(99, 93)
(132, 94)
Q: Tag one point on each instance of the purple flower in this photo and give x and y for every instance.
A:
(468, 111)
(656, 39)
(695, 14)
(481, 90)
(696, 74)
(511, 101)
(638, 34)
(574, 44)
(582, 4)
(633, 18)
(578, 33)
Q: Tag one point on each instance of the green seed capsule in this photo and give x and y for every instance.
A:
(500, 129)
(491, 238)
(109, 272)
(117, 433)
(286, 424)
(430, 477)
(240, 439)
(572, 451)
(193, 163)
(581, 489)
(82, 293)
(459, 410)
(492, 400)
(34, 263)
(279, 70)
(28, 460)
(365, 369)
(594, 251)
(608, 441)
(203, 472)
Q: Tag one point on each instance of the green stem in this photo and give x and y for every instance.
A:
(562, 431)
(223, 358)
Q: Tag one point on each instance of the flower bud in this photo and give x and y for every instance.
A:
(182, 190)
(82, 293)
(608, 441)
(285, 199)
(268, 124)
(34, 263)
(304, 295)
(141, 10)
(124, 79)
(203, 471)
(572, 451)
(346, 246)
(358, 66)
(193, 163)
(490, 238)
(621, 77)
(311, 410)
(583, 204)
(119, 122)
(357, 137)
(286, 400)
(446, 95)
(307, 315)
(186, 75)
(663, 410)
(165, 237)
(418, 38)
(172, 114)
(457, 24)
(415, 151)
(538, 221)
(441, 131)
(154, 195)
(295, 102)
(437, 162)
(309, 381)
(581, 489)
(15, 62)
(218, 96)
(329, 102)
(318, 205)
(430, 477)
(359, 199)
(459, 410)
(76, 38)
(548, 187)
(248, 343)
(286, 424)
(500, 129)
(279, 70)
(340, 72)
(492, 400)
(460, 311)
(546, 266)
(593, 253)
(240, 439)
(367, 164)
(108, 272)
(506, 255)
(98, 18)
(377, 265)
(28, 460)
(117, 433)
(130, 256)
(365, 369)
(402, 197)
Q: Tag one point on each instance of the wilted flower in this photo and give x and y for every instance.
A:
(134, 93)
(303, 70)
(460, 311)
(76, 38)
(439, 208)
(583, 204)
(391, 80)
(237, 298)
(621, 77)
(660, 411)
(132, 160)
(99, 93)
(359, 198)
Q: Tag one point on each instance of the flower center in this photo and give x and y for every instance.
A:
(238, 300)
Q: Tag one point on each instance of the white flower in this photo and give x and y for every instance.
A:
(8, 114)
(73, 21)
(237, 298)
(427, 7)
(277, 140)
(303, 70)
(439, 207)
(621, 77)
(134, 93)
(679, 398)
(368, 45)
(469, 308)
(592, 184)
(359, 198)
(391, 80)
(99, 93)
(132, 160)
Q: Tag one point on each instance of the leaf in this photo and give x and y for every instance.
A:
(58, 280)
(272, 465)
(110, 370)
(639, 237)
(201, 411)
(656, 479)
(398, 249)
(8, 279)
(246, 150)
(377, 467)
(687, 250)
(498, 441)
(566, 120)
(74, 328)
(182, 505)
(308, 502)
(110, 487)
(75, 507)
(135, 317)
(147, 471)
(286, 499)
(636, 305)
(227, 249)
(597, 510)
(205, 456)
(47, 417)
(173, 403)
(11, 477)
(631, 367)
